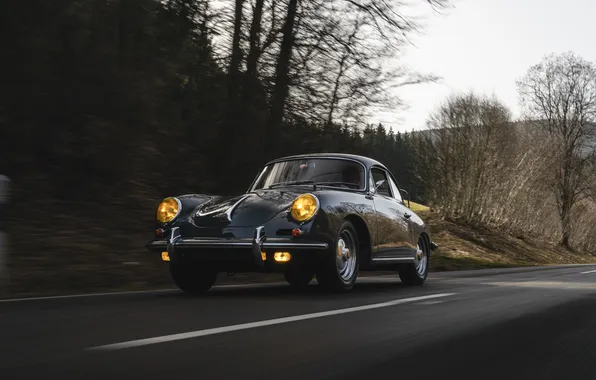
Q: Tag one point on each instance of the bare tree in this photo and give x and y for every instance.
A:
(466, 153)
(345, 63)
(559, 95)
(318, 60)
(480, 167)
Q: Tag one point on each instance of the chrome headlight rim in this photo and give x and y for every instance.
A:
(314, 214)
(179, 210)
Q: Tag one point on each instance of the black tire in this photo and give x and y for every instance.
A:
(191, 278)
(299, 276)
(329, 273)
(413, 274)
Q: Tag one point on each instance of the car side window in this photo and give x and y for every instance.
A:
(378, 175)
(395, 190)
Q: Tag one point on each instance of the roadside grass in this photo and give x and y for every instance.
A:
(416, 207)
(443, 263)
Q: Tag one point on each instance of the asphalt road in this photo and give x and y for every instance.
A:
(537, 323)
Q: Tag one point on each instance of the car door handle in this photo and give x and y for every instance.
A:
(407, 216)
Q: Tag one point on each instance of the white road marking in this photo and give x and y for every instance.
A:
(546, 284)
(252, 325)
(251, 285)
(231, 286)
(590, 271)
(135, 292)
(86, 295)
(429, 302)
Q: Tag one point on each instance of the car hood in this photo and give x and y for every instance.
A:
(245, 210)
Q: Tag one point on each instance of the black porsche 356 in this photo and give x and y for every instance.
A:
(328, 215)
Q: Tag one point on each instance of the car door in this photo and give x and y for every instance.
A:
(393, 227)
(406, 212)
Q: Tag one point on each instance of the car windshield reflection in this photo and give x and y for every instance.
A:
(313, 171)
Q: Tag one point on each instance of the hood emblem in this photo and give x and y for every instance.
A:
(229, 211)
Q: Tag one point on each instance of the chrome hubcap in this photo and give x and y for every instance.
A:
(345, 256)
(421, 259)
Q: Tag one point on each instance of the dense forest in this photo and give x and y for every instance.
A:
(111, 101)
(107, 106)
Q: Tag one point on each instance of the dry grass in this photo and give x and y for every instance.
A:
(469, 247)
(418, 208)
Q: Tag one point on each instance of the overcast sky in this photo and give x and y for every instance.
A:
(484, 45)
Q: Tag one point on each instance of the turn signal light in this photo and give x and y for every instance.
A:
(165, 256)
(263, 256)
(282, 257)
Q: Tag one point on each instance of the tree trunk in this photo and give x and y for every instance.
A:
(234, 66)
(566, 225)
(236, 52)
(280, 91)
(251, 96)
(565, 215)
(255, 33)
(228, 135)
(567, 200)
(565, 240)
(335, 94)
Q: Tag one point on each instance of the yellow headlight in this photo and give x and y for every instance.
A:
(167, 210)
(304, 207)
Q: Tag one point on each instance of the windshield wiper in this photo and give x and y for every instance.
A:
(340, 183)
(292, 183)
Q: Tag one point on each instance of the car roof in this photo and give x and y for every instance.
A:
(366, 161)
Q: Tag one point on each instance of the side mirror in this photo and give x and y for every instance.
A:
(377, 185)
(405, 195)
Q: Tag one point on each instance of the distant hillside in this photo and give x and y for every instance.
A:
(518, 125)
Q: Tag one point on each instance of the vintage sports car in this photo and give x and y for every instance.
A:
(323, 214)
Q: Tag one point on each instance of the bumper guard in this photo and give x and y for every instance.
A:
(176, 243)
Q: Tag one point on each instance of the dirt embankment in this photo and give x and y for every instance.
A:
(470, 247)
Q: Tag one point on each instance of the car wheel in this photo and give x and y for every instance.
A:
(416, 273)
(299, 276)
(339, 269)
(192, 279)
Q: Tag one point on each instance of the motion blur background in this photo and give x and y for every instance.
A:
(107, 106)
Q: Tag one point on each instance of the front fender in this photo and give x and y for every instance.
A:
(335, 207)
(339, 206)
(189, 204)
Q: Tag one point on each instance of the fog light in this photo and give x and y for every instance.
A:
(282, 257)
(296, 232)
(165, 256)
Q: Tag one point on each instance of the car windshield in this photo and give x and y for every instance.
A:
(317, 171)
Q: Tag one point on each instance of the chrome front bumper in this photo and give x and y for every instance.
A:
(177, 244)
